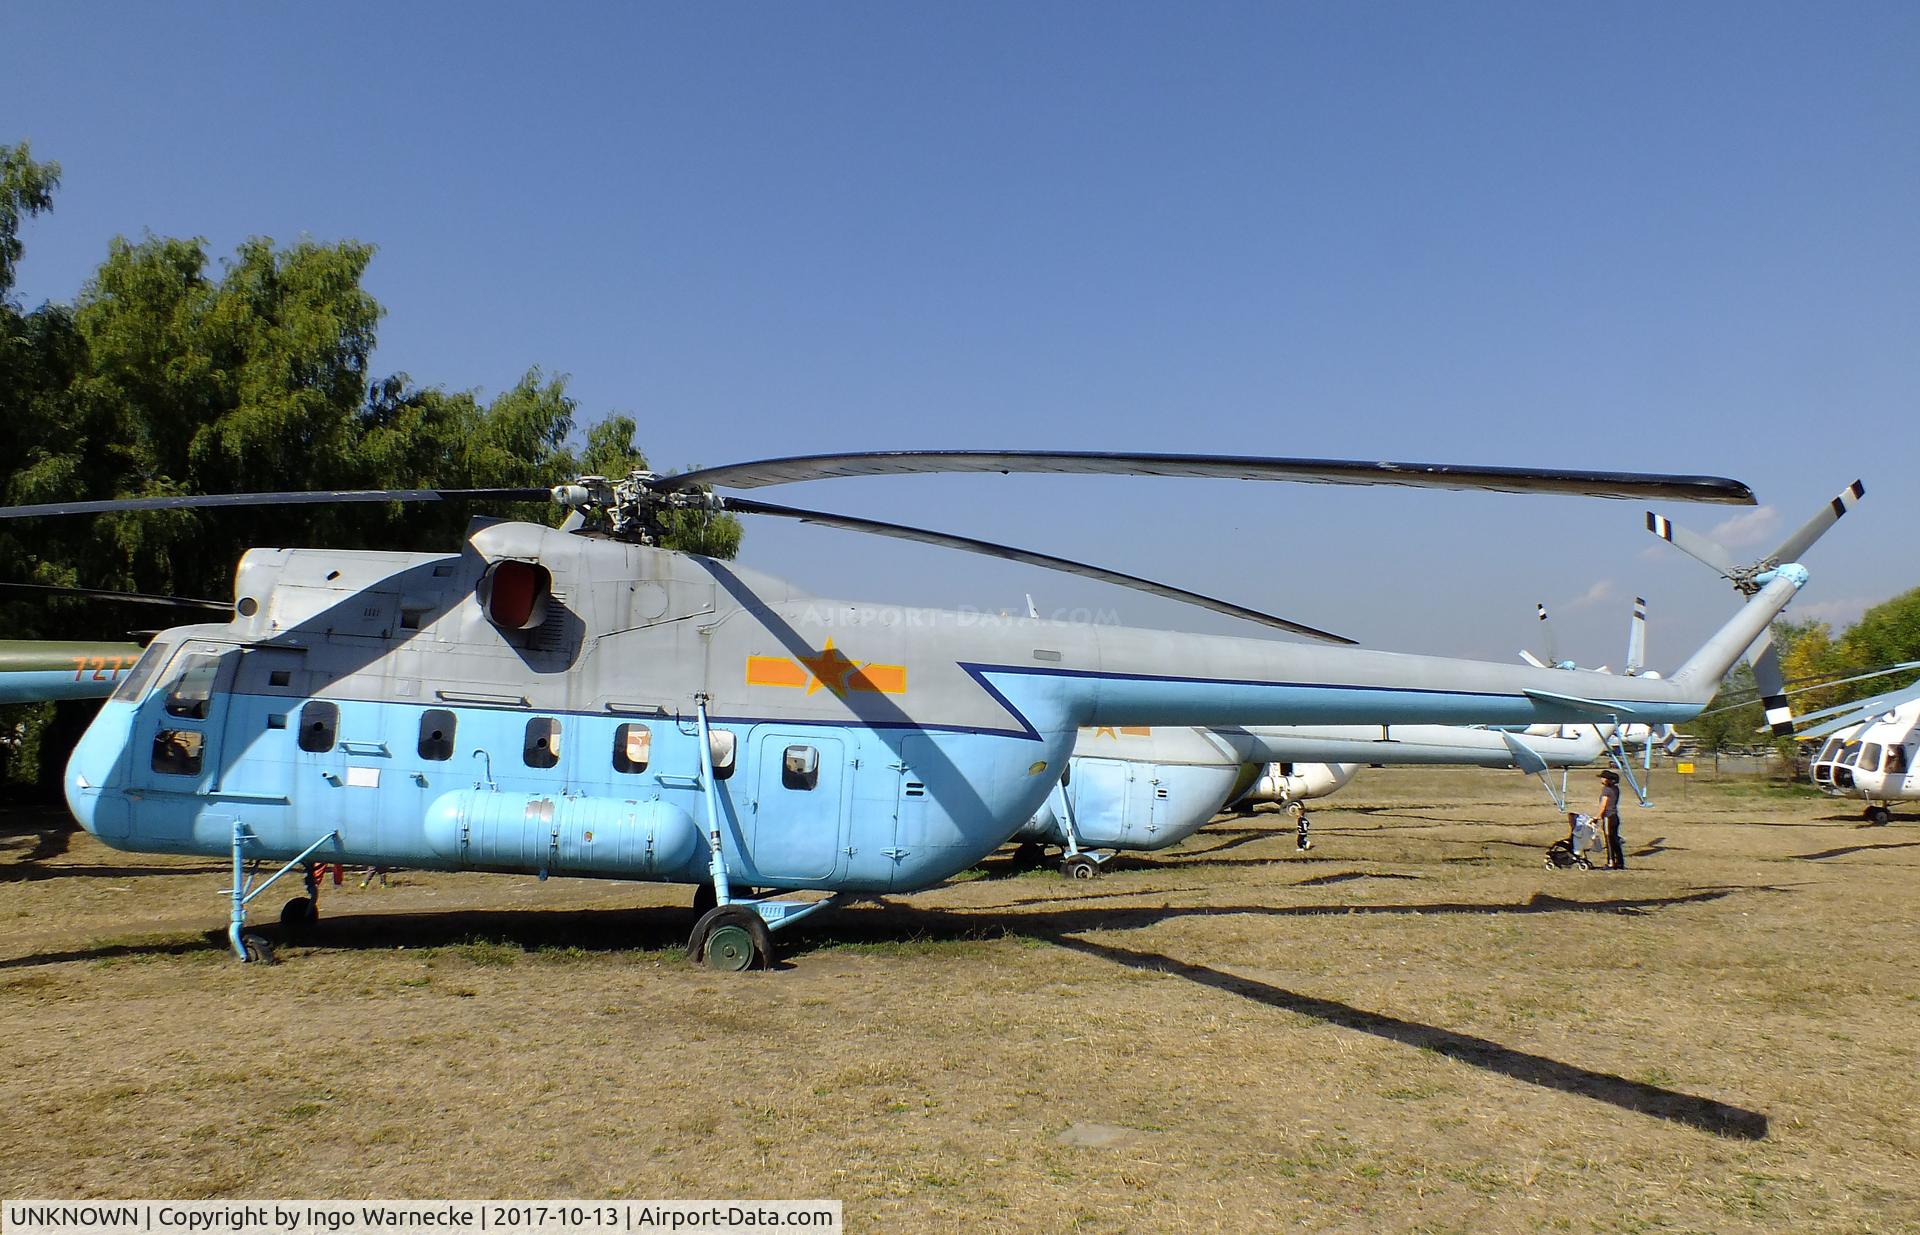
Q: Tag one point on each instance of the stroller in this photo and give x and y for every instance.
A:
(1583, 837)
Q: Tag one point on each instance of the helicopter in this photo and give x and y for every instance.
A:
(40, 670)
(1873, 752)
(34, 670)
(576, 701)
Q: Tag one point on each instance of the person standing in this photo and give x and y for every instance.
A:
(1607, 814)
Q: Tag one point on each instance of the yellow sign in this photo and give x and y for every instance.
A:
(829, 669)
(1685, 769)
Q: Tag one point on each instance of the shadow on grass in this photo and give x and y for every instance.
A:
(1824, 854)
(1706, 1114)
(1321, 881)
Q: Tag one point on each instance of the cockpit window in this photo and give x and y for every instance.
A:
(149, 663)
(193, 689)
(177, 752)
(1828, 751)
(1870, 757)
(1849, 752)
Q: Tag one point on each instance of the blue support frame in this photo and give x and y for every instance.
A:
(242, 890)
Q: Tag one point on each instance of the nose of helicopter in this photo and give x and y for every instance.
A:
(92, 798)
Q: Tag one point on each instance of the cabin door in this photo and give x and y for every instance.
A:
(796, 820)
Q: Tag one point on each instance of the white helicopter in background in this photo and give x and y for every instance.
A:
(1872, 751)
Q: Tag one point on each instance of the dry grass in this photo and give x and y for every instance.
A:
(1414, 1027)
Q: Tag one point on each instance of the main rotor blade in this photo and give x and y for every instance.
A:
(760, 473)
(851, 523)
(310, 497)
(1793, 546)
(133, 598)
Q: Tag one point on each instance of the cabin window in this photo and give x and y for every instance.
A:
(319, 725)
(177, 752)
(279, 677)
(1870, 757)
(632, 748)
(143, 670)
(800, 767)
(193, 688)
(720, 747)
(436, 734)
(542, 749)
(1896, 761)
(276, 720)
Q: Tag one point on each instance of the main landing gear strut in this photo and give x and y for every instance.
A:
(298, 913)
(732, 934)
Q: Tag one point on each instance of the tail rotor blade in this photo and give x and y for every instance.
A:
(1546, 625)
(1793, 546)
(1637, 638)
(1693, 544)
(1772, 685)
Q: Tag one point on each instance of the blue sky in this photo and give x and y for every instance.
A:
(1675, 238)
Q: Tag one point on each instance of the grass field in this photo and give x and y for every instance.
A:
(1413, 1027)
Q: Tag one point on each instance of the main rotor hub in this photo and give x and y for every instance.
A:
(629, 509)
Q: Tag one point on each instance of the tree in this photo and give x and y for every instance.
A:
(26, 189)
(1885, 634)
(167, 376)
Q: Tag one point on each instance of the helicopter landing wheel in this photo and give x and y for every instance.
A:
(730, 939)
(299, 915)
(258, 950)
(1080, 866)
(1879, 816)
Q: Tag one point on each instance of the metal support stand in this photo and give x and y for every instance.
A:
(1618, 756)
(243, 891)
(716, 859)
(1559, 796)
